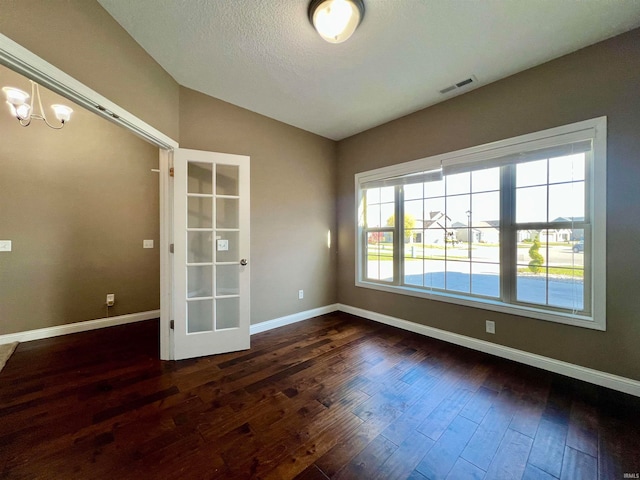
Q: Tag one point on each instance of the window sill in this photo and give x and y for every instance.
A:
(496, 306)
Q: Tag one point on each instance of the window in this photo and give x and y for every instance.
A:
(515, 226)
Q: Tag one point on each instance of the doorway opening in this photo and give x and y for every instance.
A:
(21, 61)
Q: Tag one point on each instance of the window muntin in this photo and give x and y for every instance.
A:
(542, 191)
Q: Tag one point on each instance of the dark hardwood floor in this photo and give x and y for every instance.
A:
(332, 397)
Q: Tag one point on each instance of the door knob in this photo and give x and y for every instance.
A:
(243, 262)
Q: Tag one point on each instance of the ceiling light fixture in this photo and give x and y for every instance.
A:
(336, 20)
(24, 112)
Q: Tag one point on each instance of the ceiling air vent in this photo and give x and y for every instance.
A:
(466, 83)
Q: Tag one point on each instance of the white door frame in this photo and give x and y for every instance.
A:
(166, 262)
(21, 60)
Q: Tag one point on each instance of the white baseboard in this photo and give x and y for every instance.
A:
(293, 318)
(77, 327)
(622, 384)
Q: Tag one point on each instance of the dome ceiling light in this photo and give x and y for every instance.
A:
(336, 20)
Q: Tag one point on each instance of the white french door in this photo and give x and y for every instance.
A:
(211, 253)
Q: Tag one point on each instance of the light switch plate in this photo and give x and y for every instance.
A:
(147, 244)
(5, 245)
(223, 245)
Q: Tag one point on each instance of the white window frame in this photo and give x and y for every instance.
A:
(595, 129)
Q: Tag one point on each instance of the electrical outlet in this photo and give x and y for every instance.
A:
(300, 294)
(111, 299)
(491, 326)
(5, 245)
(147, 244)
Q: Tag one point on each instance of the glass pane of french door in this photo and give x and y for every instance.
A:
(212, 244)
(227, 282)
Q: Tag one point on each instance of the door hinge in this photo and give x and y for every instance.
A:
(171, 172)
(171, 248)
(172, 324)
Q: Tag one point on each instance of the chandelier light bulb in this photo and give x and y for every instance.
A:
(23, 112)
(62, 112)
(15, 96)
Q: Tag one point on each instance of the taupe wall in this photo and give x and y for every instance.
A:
(83, 40)
(76, 204)
(603, 79)
(292, 201)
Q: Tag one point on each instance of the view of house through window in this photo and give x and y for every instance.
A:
(454, 238)
(514, 229)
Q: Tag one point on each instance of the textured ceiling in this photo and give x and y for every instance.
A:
(264, 55)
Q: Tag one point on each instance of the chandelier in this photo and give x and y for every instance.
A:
(24, 111)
